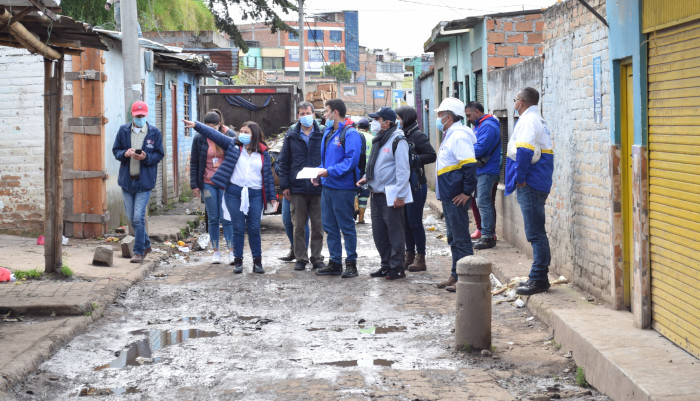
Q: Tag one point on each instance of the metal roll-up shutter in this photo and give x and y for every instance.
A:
(157, 191)
(479, 83)
(674, 183)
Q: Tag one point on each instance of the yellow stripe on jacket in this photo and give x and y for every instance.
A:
(456, 166)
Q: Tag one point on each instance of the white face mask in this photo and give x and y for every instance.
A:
(375, 126)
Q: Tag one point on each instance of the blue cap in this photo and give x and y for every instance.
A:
(386, 113)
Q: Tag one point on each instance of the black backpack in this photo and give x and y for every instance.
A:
(362, 165)
(413, 161)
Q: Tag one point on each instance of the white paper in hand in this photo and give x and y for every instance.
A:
(308, 173)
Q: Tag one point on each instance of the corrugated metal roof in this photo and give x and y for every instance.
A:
(226, 59)
(145, 43)
(26, 3)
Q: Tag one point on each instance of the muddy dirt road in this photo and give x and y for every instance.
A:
(195, 331)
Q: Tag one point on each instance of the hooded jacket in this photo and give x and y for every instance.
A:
(456, 165)
(296, 155)
(488, 143)
(152, 145)
(423, 149)
(198, 159)
(341, 162)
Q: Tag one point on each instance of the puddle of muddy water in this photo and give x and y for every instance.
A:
(355, 362)
(140, 352)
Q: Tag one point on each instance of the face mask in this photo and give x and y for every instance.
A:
(375, 127)
(244, 138)
(139, 121)
(440, 125)
(398, 123)
(307, 121)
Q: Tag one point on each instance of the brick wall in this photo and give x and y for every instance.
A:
(512, 39)
(578, 209)
(21, 142)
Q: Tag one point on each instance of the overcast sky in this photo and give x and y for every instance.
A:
(404, 25)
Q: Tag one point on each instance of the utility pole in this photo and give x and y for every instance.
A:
(131, 52)
(302, 67)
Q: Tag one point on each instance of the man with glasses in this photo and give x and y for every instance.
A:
(529, 169)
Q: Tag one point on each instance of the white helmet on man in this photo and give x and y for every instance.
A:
(454, 105)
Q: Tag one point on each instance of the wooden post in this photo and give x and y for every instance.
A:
(53, 164)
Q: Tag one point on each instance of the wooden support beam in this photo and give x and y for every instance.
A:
(27, 39)
(23, 13)
(88, 218)
(46, 10)
(80, 175)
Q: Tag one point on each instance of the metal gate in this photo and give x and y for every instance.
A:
(674, 183)
(479, 83)
(157, 192)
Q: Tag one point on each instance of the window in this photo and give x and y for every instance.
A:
(292, 37)
(334, 56)
(389, 68)
(315, 35)
(349, 90)
(293, 54)
(315, 55)
(272, 63)
(336, 36)
(186, 89)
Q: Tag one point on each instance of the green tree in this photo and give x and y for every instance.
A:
(338, 71)
(91, 11)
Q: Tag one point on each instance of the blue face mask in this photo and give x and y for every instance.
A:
(440, 125)
(398, 123)
(307, 120)
(244, 138)
(139, 121)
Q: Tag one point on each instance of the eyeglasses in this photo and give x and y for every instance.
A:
(516, 99)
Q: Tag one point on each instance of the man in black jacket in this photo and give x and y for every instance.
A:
(302, 148)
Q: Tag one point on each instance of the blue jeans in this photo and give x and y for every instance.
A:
(213, 196)
(135, 203)
(532, 205)
(484, 202)
(337, 214)
(288, 226)
(458, 237)
(242, 223)
(413, 216)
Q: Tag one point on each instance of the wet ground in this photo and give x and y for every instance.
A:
(195, 331)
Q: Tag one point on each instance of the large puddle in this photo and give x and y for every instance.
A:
(140, 352)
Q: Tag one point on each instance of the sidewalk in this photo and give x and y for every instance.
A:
(619, 360)
(54, 312)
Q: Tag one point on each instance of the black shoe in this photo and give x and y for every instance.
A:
(350, 269)
(333, 269)
(257, 266)
(395, 274)
(485, 243)
(318, 265)
(300, 265)
(533, 287)
(289, 258)
(382, 272)
(238, 265)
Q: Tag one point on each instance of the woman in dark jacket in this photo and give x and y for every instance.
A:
(413, 213)
(205, 159)
(246, 175)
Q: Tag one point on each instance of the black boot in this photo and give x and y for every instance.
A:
(350, 269)
(395, 274)
(237, 265)
(290, 256)
(333, 269)
(257, 266)
(382, 272)
(485, 243)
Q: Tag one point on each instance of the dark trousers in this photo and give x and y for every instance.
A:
(457, 226)
(388, 232)
(414, 230)
(305, 207)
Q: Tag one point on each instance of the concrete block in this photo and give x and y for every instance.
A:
(473, 321)
(127, 244)
(104, 256)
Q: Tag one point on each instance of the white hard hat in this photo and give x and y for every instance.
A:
(454, 105)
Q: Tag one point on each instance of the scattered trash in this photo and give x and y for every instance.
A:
(431, 228)
(569, 354)
(40, 240)
(430, 221)
(188, 211)
(64, 241)
(560, 280)
(530, 318)
(168, 243)
(184, 249)
(203, 241)
(6, 275)
(143, 361)
(590, 298)
(120, 230)
(367, 330)
(159, 274)
(112, 239)
(519, 303)
(180, 243)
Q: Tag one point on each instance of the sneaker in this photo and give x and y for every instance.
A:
(450, 281)
(216, 258)
(300, 265)
(318, 265)
(231, 258)
(382, 272)
(257, 266)
(238, 265)
(350, 269)
(476, 234)
(333, 269)
(451, 288)
(485, 243)
(533, 287)
(395, 274)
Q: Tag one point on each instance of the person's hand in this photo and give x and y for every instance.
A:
(129, 152)
(139, 156)
(274, 203)
(399, 202)
(323, 173)
(195, 192)
(362, 182)
(461, 199)
(522, 185)
(287, 194)
(188, 124)
(107, 6)
(315, 181)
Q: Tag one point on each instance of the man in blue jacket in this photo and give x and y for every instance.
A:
(302, 148)
(339, 173)
(529, 169)
(139, 148)
(487, 151)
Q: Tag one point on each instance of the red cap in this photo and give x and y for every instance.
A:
(139, 108)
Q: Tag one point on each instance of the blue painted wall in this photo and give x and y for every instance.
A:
(626, 42)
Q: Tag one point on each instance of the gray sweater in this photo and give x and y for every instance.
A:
(392, 169)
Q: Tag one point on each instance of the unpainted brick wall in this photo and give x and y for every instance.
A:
(512, 39)
(21, 142)
(579, 207)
